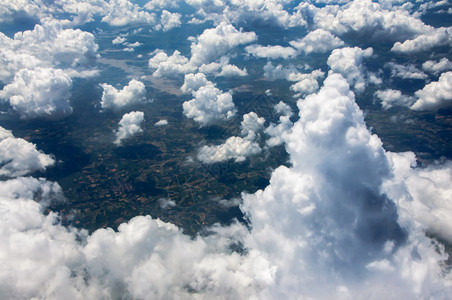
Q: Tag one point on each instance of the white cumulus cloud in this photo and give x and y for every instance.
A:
(317, 41)
(349, 62)
(435, 94)
(437, 67)
(390, 98)
(129, 125)
(273, 52)
(209, 104)
(40, 92)
(134, 92)
(19, 157)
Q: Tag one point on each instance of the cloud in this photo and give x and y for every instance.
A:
(435, 94)
(433, 38)
(406, 71)
(322, 229)
(365, 16)
(277, 131)
(325, 224)
(305, 82)
(235, 147)
(19, 157)
(437, 67)
(317, 41)
(47, 45)
(349, 62)
(159, 4)
(222, 68)
(251, 125)
(209, 105)
(118, 40)
(168, 21)
(271, 11)
(129, 126)
(39, 93)
(390, 98)
(193, 82)
(134, 92)
(124, 12)
(232, 71)
(215, 42)
(173, 65)
(273, 52)
(161, 123)
(429, 193)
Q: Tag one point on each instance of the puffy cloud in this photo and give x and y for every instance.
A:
(159, 4)
(215, 42)
(47, 45)
(129, 125)
(231, 71)
(222, 68)
(134, 92)
(124, 12)
(251, 125)
(209, 105)
(237, 11)
(305, 82)
(406, 71)
(165, 65)
(161, 123)
(437, 67)
(365, 16)
(424, 42)
(278, 131)
(349, 62)
(41, 92)
(391, 97)
(319, 40)
(429, 193)
(118, 40)
(273, 52)
(168, 21)
(235, 147)
(19, 157)
(435, 94)
(193, 82)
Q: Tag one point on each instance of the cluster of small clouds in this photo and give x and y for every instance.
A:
(433, 96)
(208, 52)
(336, 224)
(305, 82)
(237, 148)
